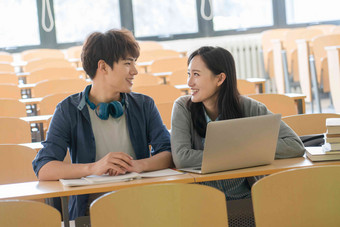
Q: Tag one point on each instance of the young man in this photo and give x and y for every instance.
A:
(106, 128)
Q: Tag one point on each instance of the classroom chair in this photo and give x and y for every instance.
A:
(162, 93)
(326, 28)
(5, 57)
(8, 78)
(309, 124)
(320, 58)
(12, 108)
(16, 164)
(301, 197)
(149, 45)
(161, 205)
(42, 63)
(267, 48)
(151, 55)
(14, 130)
(145, 79)
(10, 91)
(333, 58)
(6, 67)
(15, 213)
(48, 103)
(178, 77)
(165, 110)
(245, 87)
(74, 52)
(52, 74)
(48, 87)
(168, 64)
(277, 103)
(29, 55)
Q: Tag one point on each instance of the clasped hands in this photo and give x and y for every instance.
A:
(116, 163)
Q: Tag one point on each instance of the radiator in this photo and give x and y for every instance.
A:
(246, 52)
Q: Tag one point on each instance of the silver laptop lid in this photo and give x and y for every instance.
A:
(240, 143)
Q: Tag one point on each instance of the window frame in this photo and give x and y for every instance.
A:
(205, 28)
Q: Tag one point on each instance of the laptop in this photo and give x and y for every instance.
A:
(239, 143)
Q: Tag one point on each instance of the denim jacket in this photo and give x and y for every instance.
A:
(71, 129)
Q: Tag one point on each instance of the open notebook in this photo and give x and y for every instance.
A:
(94, 179)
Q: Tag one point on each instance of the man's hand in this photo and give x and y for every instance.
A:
(114, 163)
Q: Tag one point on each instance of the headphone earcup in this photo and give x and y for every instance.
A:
(115, 109)
(102, 111)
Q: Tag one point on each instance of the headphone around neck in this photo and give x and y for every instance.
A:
(103, 110)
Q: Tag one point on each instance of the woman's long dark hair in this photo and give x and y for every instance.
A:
(218, 60)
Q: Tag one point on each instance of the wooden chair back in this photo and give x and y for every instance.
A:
(333, 59)
(165, 110)
(74, 52)
(289, 43)
(179, 77)
(16, 164)
(6, 67)
(152, 55)
(52, 74)
(10, 91)
(48, 87)
(149, 45)
(6, 57)
(320, 55)
(146, 79)
(326, 28)
(267, 48)
(245, 87)
(277, 103)
(29, 55)
(8, 78)
(169, 64)
(336, 30)
(14, 130)
(162, 93)
(12, 108)
(298, 197)
(28, 214)
(48, 103)
(309, 124)
(46, 63)
(161, 205)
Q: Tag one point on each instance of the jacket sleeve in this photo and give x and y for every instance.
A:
(158, 135)
(289, 144)
(57, 141)
(181, 139)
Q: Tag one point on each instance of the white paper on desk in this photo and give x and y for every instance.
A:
(74, 182)
(161, 173)
(107, 178)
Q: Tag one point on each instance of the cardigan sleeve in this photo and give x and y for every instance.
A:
(181, 137)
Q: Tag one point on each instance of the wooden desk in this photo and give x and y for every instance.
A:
(50, 189)
(40, 120)
(31, 101)
(145, 65)
(299, 100)
(276, 166)
(163, 75)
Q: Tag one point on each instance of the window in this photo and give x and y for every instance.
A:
(306, 11)
(164, 18)
(76, 19)
(241, 14)
(19, 23)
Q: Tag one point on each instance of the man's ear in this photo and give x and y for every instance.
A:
(102, 66)
(221, 79)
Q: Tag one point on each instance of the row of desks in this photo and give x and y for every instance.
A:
(50, 189)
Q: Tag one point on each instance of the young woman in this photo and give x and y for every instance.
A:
(214, 96)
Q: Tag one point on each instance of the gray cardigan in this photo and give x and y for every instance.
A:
(186, 144)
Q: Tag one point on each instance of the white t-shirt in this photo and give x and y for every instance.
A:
(111, 135)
